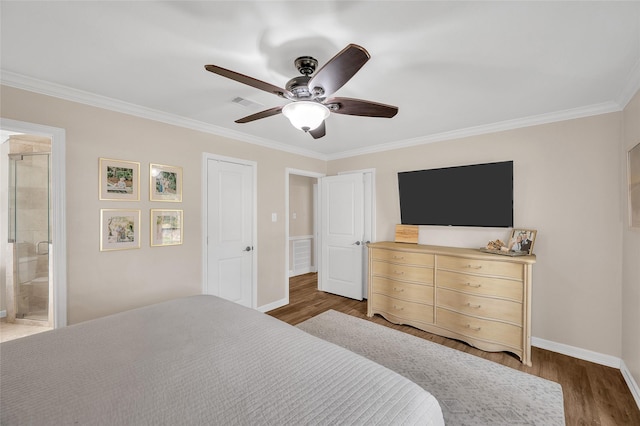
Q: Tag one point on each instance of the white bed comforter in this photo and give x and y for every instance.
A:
(199, 361)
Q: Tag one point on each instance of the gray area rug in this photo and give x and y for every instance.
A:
(471, 390)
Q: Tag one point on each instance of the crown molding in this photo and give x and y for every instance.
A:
(570, 114)
(19, 81)
(51, 89)
(631, 87)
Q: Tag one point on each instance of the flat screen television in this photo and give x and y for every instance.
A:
(474, 195)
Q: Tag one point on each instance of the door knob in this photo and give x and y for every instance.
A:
(248, 248)
(357, 243)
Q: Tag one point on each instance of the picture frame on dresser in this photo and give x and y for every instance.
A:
(633, 173)
(522, 240)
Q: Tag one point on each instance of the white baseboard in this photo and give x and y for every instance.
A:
(584, 354)
(274, 305)
(302, 271)
(591, 356)
(633, 385)
(3, 314)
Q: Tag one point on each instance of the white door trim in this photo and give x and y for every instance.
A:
(254, 165)
(58, 207)
(288, 172)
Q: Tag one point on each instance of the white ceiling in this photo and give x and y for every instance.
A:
(452, 68)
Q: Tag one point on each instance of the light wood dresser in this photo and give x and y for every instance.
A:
(480, 298)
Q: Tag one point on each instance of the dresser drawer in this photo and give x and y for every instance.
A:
(402, 309)
(504, 310)
(401, 290)
(482, 286)
(407, 258)
(492, 331)
(402, 272)
(483, 267)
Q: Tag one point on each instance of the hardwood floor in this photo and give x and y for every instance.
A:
(593, 394)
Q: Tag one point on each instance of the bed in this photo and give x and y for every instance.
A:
(199, 360)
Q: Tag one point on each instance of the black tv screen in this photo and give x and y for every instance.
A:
(474, 195)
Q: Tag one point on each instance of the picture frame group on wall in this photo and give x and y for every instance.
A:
(119, 229)
(165, 183)
(119, 180)
(633, 173)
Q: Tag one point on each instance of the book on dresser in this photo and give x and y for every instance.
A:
(465, 294)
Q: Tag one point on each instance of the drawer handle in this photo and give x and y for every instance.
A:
(398, 257)
(398, 289)
(474, 306)
(398, 273)
(473, 328)
(473, 267)
(474, 286)
(398, 308)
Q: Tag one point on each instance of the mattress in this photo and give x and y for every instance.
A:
(195, 361)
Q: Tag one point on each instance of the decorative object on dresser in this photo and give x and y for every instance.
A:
(407, 234)
(520, 244)
(460, 293)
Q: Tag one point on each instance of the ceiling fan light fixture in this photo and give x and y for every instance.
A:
(305, 115)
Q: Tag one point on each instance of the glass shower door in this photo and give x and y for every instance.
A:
(29, 230)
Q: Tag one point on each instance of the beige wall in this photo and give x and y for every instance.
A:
(566, 185)
(301, 203)
(630, 252)
(101, 283)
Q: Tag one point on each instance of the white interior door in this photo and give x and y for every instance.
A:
(229, 272)
(341, 235)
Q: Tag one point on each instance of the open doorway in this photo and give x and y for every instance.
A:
(305, 178)
(301, 223)
(32, 224)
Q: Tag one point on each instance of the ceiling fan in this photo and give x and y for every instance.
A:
(309, 92)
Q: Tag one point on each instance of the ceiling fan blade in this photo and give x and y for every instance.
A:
(258, 84)
(335, 73)
(258, 115)
(319, 131)
(360, 107)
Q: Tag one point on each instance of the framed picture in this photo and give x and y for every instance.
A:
(522, 240)
(119, 180)
(119, 229)
(165, 183)
(633, 173)
(166, 227)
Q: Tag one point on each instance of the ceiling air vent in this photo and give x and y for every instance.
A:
(245, 102)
